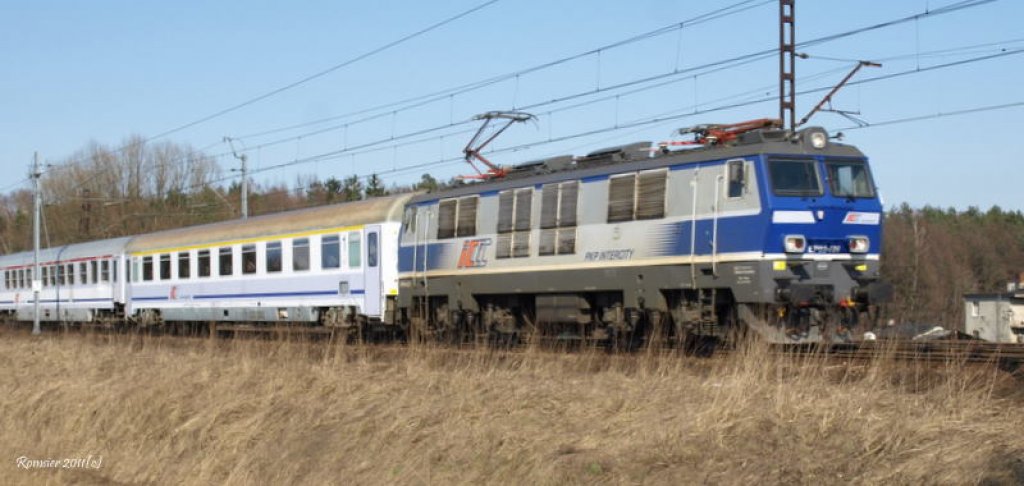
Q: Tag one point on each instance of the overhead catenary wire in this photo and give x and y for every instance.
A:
(732, 61)
(706, 17)
(326, 155)
(311, 77)
(327, 71)
(421, 100)
(941, 114)
(948, 9)
(667, 116)
(689, 111)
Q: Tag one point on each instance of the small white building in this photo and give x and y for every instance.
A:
(995, 317)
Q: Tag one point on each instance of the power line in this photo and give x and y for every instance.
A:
(16, 184)
(940, 114)
(667, 116)
(327, 71)
(327, 155)
(421, 100)
(706, 17)
(738, 60)
(720, 64)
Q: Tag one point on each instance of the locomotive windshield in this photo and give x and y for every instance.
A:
(849, 179)
(794, 177)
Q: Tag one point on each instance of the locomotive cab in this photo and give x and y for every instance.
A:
(823, 242)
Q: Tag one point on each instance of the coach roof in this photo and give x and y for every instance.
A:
(369, 211)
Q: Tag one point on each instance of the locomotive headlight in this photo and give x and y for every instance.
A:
(818, 139)
(795, 244)
(859, 244)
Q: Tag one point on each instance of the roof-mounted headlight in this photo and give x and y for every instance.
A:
(818, 139)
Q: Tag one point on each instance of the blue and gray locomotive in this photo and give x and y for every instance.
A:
(758, 230)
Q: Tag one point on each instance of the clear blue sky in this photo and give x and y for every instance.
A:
(103, 70)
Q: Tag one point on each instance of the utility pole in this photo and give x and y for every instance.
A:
(787, 63)
(245, 177)
(37, 207)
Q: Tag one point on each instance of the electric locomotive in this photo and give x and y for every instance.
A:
(758, 229)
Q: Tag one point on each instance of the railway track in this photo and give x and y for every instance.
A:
(1006, 356)
(1009, 356)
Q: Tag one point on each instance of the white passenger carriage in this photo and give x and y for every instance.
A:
(332, 265)
(78, 283)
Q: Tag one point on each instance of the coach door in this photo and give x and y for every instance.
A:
(372, 277)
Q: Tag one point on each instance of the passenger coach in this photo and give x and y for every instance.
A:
(331, 265)
(82, 282)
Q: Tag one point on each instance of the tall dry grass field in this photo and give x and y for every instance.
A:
(192, 411)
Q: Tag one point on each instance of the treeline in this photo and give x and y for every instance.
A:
(932, 256)
(104, 192)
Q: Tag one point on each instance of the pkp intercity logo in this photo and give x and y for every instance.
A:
(474, 253)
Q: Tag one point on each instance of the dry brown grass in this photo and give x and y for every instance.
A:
(175, 411)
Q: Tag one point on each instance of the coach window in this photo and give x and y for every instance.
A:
(104, 271)
(371, 250)
(69, 274)
(22, 278)
(61, 275)
(184, 265)
(225, 264)
(248, 259)
(83, 273)
(203, 263)
(330, 251)
(147, 268)
(514, 210)
(736, 178)
(354, 249)
(273, 256)
(46, 277)
(300, 254)
(94, 272)
(165, 266)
